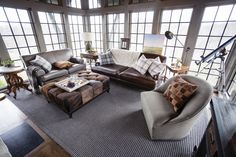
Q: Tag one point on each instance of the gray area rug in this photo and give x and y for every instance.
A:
(111, 125)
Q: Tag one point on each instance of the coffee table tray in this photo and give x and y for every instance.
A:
(79, 82)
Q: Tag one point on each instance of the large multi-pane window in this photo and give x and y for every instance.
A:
(73, 3)
(217, 26)
(113, 2)
(17, 31)
(94, 4)
(141, 24)
(115, 26)
(177, 21)
(53, 28)
(76, 28)
(96, 29)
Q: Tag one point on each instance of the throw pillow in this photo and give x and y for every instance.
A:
(179, 92)
(156, 68)
(142, 64)
(106, 58)
(63, 64)
(43, 63)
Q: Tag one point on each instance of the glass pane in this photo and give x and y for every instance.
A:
(166, 16)
(209, 14)
(223, 12)
(5, 29)
(23, 14)
(149, 16)
(176, 15)
(27, 28)
(218, 28)
(31, 40)
(21, 41)
(186, 15)
(12, 15)
(9, 41)
(16, 29)
(134, 17)
(205, 28)
(230, 29)
(2, 15)
(42, 17)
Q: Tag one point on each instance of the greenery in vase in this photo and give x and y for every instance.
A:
(7, 62)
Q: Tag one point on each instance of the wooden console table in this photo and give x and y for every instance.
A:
(90, 56)
(176, 70)
(13, 80)
(219, 139)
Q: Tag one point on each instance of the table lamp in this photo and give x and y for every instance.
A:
(87, 37)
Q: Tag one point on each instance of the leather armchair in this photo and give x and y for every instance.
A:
(165, 124)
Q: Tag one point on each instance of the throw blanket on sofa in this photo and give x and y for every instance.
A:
(125, 57)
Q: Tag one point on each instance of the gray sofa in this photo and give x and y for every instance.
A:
(38, 77)
(163, 123)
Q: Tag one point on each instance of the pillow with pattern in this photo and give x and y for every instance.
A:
(106, 58)
(156, 68)
(179, 92)
(43, 63)
(142, 64)
(63, 64)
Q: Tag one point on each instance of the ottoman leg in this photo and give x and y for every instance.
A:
(108, 90)
(70, 115)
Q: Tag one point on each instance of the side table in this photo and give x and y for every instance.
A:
(90, 56)
(13, 80)
(176, 70)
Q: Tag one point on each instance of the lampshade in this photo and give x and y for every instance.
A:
(169, 34)
(87, 36)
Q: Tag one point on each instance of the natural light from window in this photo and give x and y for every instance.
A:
(115, 29)
(141, 24)
(17, 31)
(217, 26)
(177, 21)
(53, 28)
(76, 28)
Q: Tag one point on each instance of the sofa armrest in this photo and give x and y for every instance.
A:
(77, 60)
(35, 71)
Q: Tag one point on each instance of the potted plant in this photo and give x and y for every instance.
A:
(7, 63)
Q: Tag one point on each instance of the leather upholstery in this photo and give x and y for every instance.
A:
(134, 76)
(128, 74)
(53, 74)
(109, 69)
(76, 67)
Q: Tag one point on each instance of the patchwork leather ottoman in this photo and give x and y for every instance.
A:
(69, 102)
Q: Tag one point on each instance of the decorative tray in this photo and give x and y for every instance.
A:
(71, 84)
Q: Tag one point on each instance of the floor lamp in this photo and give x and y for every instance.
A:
(169, 35)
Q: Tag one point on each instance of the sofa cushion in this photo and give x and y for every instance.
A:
(40, 61)
(179, 92)
(53, 74)
(109, 69)
(106, 58)
(134, 76)
(76, 67)
(62, 64)
(156, 108)
(142, 64)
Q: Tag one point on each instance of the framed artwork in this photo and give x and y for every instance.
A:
(125, 42)
(153, 43)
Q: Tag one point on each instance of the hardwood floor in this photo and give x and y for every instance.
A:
(11, 117)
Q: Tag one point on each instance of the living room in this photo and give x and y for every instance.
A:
(117, 78)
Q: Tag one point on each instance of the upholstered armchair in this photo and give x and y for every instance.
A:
(162, 121)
